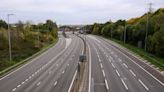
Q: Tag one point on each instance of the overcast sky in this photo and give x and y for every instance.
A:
(75, 11)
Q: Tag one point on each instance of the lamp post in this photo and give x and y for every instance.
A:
(8, 19)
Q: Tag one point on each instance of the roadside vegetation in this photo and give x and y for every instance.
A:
(134, 36)
(26, 40)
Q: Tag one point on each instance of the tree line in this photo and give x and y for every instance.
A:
(26, 39)
(133, 31)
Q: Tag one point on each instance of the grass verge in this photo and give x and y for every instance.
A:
(16, 64)
(157, 61)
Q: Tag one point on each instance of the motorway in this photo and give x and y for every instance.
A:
(114, 71)
(52, 71)
(110, 69)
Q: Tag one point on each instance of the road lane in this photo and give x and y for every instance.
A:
(128, 72)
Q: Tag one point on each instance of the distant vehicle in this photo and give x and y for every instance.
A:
(81, 31)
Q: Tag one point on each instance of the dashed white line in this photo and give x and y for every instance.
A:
(99, 60)
(18, 86)
(23, 82)
(132, 73)
(103, 73)
(63, 72)
(117, 73)
(55, 83)
(106, 83)
(143, 85)
(38, 83)
(101, 65)
(125, 65)
(30, 77)
(26, 80)
(113, 65)
(14, 89)
(124, 84)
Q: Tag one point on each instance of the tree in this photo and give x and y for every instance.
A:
(3, 24)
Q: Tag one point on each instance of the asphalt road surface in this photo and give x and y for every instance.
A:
(110, 69)
(114, 71)
(52, 71)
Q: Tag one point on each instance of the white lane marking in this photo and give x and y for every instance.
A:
(30, 77)
(125, 65)
(38, 83)
(35, 73)
(18, 86)
(89, 88)
(26, 80)
(103, 73)
(133, 73)
(100, 60)
(44, 53)
(106, 83)
(101, 65)
(69, 90)
(143, 85)
(22, 82)
(117, 73)
(98, 56)
(119, 60)
(14, 89)
(124, 84)
(55, 83)
(63, 72)
(140, 67)
(113, 65)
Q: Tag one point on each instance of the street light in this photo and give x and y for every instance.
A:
(8, 15)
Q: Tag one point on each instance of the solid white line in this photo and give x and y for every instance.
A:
(113, 65)
(106, 83)
(101, 65)
(143, 85)
(69, 90)
(140, 67)
(117, 73)
(124, 84)
(125, 65)
(132, 73)
(55, 83)
(14, 89)
(103, 73)
(89, 88)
